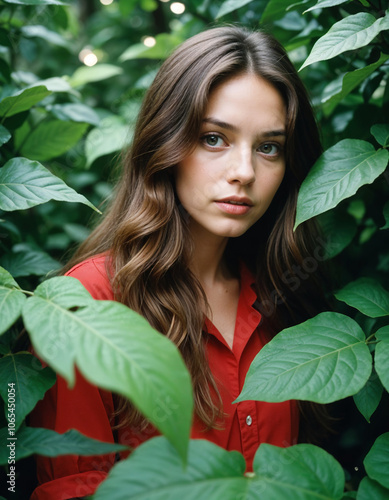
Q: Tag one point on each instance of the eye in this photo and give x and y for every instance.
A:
(270, 149)
(213, 140)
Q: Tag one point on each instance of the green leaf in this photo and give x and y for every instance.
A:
(377, 460)
(25, 183)
(350, 33)
(111, 136)
(165, 43)
(321, 4)
(303, 472)
(76, 232)
(52, 138)
(369, 397)
(231, 5)
(382, 355)
(5, 135)
(55, 84)
(381, 132)
(45, 34)
(323, 359)
(52, 300)
(366, 295)
(274, 10)
(75, 112)
(28, 262)
(114, 348)
(339, 229)
(371, 490)
(30, 382)
(34, 440)
(211, 472)
(6, 280)
(95, 73)
(348, 83)
(11, 300)
(22, 101)
(339, 172)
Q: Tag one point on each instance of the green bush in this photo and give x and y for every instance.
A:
(62, 126)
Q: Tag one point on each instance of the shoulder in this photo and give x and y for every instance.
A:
(93, 274)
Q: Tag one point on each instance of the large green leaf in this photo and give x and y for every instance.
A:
(377, 460)
(26, 262)
(274, 10)
(96, 73)
(366, 295)
(371, 490)
(29, 382)
(369, 397)
(382, 355)
(115, 348)
(51, 138)
(25, 183)
(111, 136)
(349, 82)
(22, 101)
(45, 34)
(338, 174)
(76, 112)
(350, 33)
(381, 133)
(211, 472)
(5, 135)
(11, 300)
(339, 229)
(231, 5)
(303, 472)
(31, 440)
(321, 4)
(323, 359)
(56, 84)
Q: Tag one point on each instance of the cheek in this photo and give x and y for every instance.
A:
(270, 185)
(196, 183)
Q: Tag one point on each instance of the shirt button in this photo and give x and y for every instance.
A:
(249, 420)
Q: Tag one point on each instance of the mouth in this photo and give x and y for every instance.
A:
(246, 202)
(235, 206)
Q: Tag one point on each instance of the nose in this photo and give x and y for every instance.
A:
(242, 167)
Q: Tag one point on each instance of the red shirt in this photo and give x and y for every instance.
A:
(89, 409)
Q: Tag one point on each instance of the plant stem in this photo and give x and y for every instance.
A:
(370, 337)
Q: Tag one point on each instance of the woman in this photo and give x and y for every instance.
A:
(199, 240)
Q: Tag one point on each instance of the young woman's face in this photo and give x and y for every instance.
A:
(227, 183)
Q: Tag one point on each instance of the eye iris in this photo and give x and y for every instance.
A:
(267, 148)
(212, 140)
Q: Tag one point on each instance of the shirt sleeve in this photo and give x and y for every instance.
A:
(84, 408)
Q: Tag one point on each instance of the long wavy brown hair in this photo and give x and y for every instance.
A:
(145, 230)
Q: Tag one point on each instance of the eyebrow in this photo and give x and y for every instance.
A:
(229, 126)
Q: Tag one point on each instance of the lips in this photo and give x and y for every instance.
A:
(236, 200)
(235, 205)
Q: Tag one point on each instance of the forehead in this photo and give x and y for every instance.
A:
(247, 97)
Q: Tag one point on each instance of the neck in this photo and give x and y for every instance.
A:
(207, 261)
